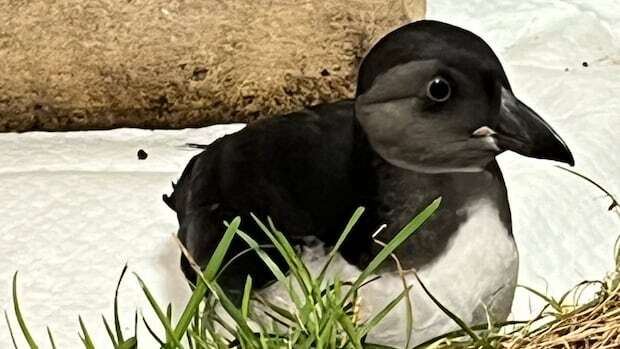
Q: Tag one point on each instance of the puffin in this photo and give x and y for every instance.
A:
(433, 109)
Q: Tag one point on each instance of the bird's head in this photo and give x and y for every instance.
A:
(432, 97)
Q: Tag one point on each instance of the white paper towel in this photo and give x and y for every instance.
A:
(75, 207)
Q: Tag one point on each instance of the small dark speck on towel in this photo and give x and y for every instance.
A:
(142, 155)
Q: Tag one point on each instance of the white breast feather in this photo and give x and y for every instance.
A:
(478, 269)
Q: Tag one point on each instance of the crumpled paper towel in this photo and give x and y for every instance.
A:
(75, 207)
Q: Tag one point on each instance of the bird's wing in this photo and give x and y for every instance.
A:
(295, 169)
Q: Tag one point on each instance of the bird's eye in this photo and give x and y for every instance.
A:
(438, 89)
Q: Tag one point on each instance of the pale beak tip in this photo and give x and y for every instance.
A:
(483, 131)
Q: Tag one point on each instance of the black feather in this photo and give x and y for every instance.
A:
(196, 145)
(169, 202)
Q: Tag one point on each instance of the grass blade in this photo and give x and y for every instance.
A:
(109, 331)
(552, 302)
(198, 339)
(614, 201)
(346, 323)
(88, 343)
(385, 253)
(273, 267)
(243, 329)
(403, 279)
(49, 335)
(117, 322)
(201, 288)
(160, 314)
(239, 255)
(245, 301)
(296, 267)
(220, 251)
(287, 315)
(20, 318)
(135, 326)
(451, 315)
(383, 313)
(345, 233)
(169, 317)
(131, 343)
(376, 346)
(152, 333)
(8, 323)
(460, 333)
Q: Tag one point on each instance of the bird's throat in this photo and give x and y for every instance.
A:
(402, 194)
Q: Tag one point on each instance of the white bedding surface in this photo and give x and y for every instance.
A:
(75, 207)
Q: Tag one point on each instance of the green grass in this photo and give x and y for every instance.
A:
(323, 316)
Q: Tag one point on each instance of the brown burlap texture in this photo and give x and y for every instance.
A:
(92, 64)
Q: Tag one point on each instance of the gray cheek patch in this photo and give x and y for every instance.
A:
(407, 135)
(397, 134)
(402, 81)
(388, 125)
(387, 110)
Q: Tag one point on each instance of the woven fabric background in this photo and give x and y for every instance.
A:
(96, 64)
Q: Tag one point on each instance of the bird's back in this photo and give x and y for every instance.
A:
(297, 169)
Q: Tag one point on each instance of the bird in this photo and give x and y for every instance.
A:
(433, 108)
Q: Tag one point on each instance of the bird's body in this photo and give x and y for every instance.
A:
(465, 254)
(427, 121)
(476, 273)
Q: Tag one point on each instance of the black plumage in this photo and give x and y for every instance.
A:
(393, 150)
(302, 170)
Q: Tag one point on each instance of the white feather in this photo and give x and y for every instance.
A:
(477, 270)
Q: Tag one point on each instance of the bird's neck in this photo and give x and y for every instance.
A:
(418, 189)
(398, 195)
(406, 193)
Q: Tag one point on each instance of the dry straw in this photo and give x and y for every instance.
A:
(595, 325)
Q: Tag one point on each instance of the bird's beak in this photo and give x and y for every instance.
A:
(523, 131)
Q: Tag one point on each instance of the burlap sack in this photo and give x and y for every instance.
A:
(93, 64)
